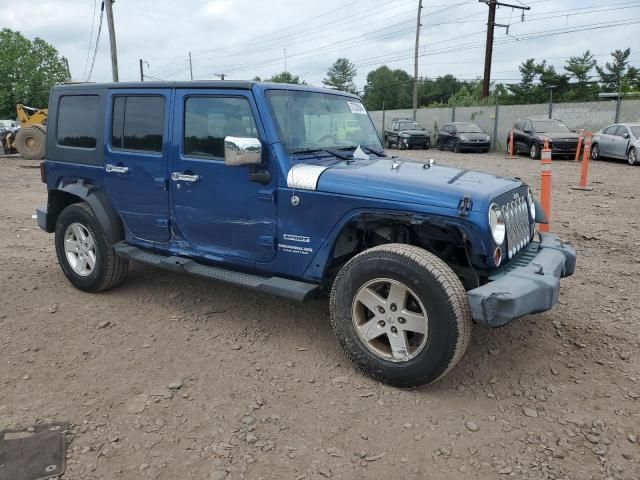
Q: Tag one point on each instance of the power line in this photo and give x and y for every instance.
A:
(95, 51)
(93, 24)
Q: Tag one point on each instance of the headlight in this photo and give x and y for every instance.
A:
(463, 138)
(496, 223)
(488, 138)
(532, 207)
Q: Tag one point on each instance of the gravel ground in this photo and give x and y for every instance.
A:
(173, 377)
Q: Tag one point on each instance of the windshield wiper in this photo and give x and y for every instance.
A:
(316, 150)
(371, 150)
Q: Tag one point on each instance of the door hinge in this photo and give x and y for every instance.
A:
(268, 195)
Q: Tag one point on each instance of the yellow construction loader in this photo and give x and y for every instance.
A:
(30, 139)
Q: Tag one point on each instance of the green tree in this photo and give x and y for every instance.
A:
(438, 91)
(579, 68)
(549, 79)
(28, 70)
(393, 88)
(286, 77)
(617, 76)
(525, 90)
(340, 76)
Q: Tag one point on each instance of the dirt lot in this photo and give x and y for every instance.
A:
(266, 393)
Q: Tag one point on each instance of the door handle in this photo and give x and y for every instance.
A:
(183, 177)
(115, 168)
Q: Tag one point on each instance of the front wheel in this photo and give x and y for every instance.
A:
(387, 142)
(534, 151)
(84, 254)
(595, 152)
(400, 314)
(632, 156)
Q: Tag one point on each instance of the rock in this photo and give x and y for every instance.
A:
(340, 380)
(599, 450)
(143, 466)
(175, 385)
(554, 371)
(625, 355)
(407, 425)
(218, 475)
(530, 412)
(103, 324)
(53, 308)
(289, 364)
(325, 472)
(26, 377)
(632, 438)
(592, 438)
(236, 347)
(373, 458)
(248, 419)
(472, 426)
(251, 438)
(493, 380)
(505, 471)
(137, 403)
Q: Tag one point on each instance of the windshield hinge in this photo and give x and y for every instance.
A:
(464, 207)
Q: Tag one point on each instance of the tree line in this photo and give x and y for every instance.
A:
(29, 68)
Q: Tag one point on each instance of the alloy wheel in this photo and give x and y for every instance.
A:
(80, 249)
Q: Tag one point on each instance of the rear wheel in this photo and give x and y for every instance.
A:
(632, 156)
(84, 254)
(400, 314)
(30, 143)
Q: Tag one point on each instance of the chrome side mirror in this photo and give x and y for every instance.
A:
(242, 151)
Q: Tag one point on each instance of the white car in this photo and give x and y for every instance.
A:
(10, 125)
(620, 140)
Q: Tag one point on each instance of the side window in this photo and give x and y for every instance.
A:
(395, 126)
(208, 120)
(138, 123)
(78, 121)
(527, 126)
(621, 131)
(610, 130)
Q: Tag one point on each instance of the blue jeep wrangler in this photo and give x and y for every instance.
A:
(262, 186)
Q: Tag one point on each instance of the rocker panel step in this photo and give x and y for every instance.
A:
(281, 287)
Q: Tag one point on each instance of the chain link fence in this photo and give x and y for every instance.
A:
(498, 120)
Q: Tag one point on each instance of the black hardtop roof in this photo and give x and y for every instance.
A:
(217, 84)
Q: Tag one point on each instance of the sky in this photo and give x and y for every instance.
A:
(247, 38)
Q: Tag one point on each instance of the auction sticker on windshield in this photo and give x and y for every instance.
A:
(357, 107)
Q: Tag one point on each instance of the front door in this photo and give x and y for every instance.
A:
(620, 143)
(218, 209)
(136, 160)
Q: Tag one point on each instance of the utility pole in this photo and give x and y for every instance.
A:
(66, 64)
(285, 59)
(220, 75)
(141, 71)
(491, 24)
(415, 62)
(112, 38)
(190, 67)
(551, 87)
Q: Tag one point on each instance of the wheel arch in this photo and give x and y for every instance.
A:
(420, 230)
(98, 201)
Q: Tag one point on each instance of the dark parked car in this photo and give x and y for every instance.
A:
(460, 136)
(621, 141)
(406, 133)
(529, 135)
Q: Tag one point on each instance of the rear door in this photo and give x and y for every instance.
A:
(136, 160)
(218, 209)
(606, 140)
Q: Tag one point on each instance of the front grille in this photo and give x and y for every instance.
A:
(518, 224)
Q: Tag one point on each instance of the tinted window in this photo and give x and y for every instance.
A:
(610, 130)
(78, 120)
(208, 120)
(138, 123)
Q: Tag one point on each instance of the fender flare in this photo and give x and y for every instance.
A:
(101, 205)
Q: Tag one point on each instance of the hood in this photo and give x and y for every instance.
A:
(415, 132)
(559, 136)
(406, 181)
(474, 135)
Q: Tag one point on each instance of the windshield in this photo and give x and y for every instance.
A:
(469, 129)
(635, 130)
(311, 120)
(410, 126)
(550, 126)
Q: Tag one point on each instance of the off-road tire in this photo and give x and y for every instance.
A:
(30, 143)
(437, 287)
(632, 156)
(534, 151)
(109, 271)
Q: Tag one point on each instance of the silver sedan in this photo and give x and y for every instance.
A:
(621, 141)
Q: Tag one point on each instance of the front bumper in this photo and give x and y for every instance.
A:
(564, 149)
(415, 141)
(528, 284)
(471, 145)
